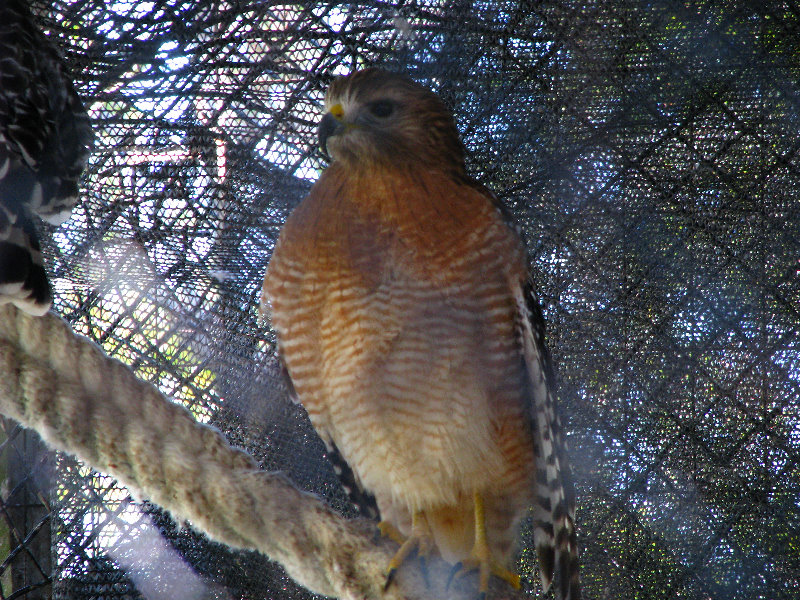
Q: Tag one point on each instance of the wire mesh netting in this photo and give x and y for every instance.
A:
(649, 152)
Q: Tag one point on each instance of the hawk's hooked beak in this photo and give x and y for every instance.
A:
(332, 123)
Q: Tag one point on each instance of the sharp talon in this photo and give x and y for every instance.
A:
(423, 566)
(514, 581)
(456, 568)
(420, 541)
(389, 579)
(483, 579)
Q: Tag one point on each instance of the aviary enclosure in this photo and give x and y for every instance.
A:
(648, 151)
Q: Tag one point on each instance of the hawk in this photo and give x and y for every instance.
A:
(45, 139)
(407, 322)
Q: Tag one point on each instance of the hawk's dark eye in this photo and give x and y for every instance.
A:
(381, 108)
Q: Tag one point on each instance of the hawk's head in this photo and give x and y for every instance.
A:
(374, 116)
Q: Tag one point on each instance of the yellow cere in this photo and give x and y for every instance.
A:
(337, 111)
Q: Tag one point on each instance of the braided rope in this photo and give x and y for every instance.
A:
(85, 403)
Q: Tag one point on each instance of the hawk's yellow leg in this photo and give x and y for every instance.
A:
(420, 540)
(481, 558)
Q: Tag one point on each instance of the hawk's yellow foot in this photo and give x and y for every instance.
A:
(481, 558)
(392, 532)
(420, 540)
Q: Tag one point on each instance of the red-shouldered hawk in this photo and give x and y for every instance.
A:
(408, 325)
(45, 138)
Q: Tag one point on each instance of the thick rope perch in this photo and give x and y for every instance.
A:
(85, 403)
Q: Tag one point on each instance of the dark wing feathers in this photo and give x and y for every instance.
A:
(554, 509)
(45, 139)
(362, 500)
